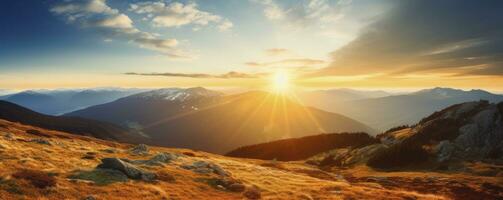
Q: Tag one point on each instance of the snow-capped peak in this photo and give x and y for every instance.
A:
(177, 94)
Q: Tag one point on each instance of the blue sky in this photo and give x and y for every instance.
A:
(322, 43)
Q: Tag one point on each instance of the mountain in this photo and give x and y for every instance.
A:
(207, 120)
(244, 119)
(446, 140)
(386, 112)
(102, 130)
(302, 148)
(60, 165)
(149, 107)
(56, 102)
(5, 92)
(343, 94)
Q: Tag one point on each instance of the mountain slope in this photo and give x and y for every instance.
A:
(66, 166)
(148, 107)
(302, 148)
(450, 139)
(102, 130)
(386, 112)
(245, 119)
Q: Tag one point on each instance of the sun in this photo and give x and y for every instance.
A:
(281, 81)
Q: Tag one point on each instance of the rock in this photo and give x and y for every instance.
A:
(109, 150)
(88, 157)
(252, 193)
(89, 198)
(229, 184)
(205, 167)
(41, 141)
(157, 160)
(140, 149)
(100, 177)
(128, 169)
(236, 187)
(218, 170)
(444, 150)
(8, 136)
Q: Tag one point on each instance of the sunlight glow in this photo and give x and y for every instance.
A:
(281, 81)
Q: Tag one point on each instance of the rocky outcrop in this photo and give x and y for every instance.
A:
(128, 169)
(467, 131)
(204, 167)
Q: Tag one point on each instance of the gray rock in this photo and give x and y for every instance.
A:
(157, 160)
(109, 150)
(140, 149)
(444, 150)
(89, 198)
(41, 141)
(128, 169)
(205, 167)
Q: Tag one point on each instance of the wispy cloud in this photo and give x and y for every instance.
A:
(176, 14)
(228, 75)
(115, 25)
(295, 62)
(277, 52)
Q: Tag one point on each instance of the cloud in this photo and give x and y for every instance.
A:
(274, 52)
(176, 14)
(295, 62)
(228, 75)
(115, 25)
(304, 13)
(427, 36)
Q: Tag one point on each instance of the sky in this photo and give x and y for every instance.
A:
(228, 43)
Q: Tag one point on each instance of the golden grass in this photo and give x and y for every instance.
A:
(278, 180)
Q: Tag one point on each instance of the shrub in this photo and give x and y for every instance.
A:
(38, 179)
(399, 156)
(37, 133)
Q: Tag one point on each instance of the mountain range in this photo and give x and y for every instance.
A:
(189, 117)
(56, 102)
(389, 111)
(75, 125)
(448, 139)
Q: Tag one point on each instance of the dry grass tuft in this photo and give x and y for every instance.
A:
(38, 179)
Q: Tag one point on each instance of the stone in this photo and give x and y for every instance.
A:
(89, 198)
(41, 141)
(128, 169)
(252, 193)
(157, 160)
(444, 150)
(204, 167)
(236, 187)
(140, 149)
(109, 150)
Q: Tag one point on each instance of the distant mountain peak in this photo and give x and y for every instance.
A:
(177, 94)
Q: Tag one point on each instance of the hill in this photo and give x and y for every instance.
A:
(449, 139)
(390, 111)
(302, 148)
(16, 113)
(66, 166)
(207, 120)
